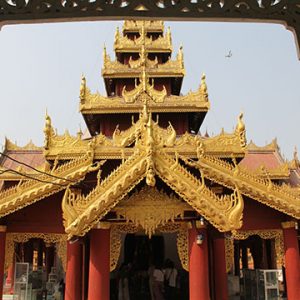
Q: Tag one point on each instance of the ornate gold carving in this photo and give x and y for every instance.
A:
(115, 241)
(288, 224)
(282, 198)
(280, 172)
(30, 191)
(125, 44)
(150, 26)
(202, 199)
(273, 146)
(229, 252)
(48, 238)
(182, 240)
(149, 143)
(61, 250)
(144, 87)
(150, 209)
(48, 130)
(241, 131)
(10, 146)
(276, 234)
(183, 246)
(171, 68)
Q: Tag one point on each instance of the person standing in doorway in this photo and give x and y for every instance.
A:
(158, 283)
(170, 277)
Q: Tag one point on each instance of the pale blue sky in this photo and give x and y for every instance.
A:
(41, 66)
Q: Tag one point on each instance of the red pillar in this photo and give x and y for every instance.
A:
(292, 270)
(10, 277)
(2, 257)
(74, 272)
(99, 264)
(220, 274)
(198, 265)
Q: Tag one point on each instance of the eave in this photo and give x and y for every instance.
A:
(30, 191)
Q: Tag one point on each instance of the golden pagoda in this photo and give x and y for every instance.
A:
(146, 187)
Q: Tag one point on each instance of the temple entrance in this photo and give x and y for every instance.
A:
(140, 257)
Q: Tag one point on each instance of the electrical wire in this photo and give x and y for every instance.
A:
(39, 171)
(33, 178)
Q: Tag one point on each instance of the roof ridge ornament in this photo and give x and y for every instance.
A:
(203, 89)
(241, 130)
(82, 92)
(48, 130)
(144, 87)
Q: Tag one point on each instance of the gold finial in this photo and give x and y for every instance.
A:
(82, 88)
(117, 35)
(79, 133)
(180, 56)
(241, 131)
(203, 88)
(47, 130)
(169, 38)
(104, 56)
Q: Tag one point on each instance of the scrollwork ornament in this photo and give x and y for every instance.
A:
(276, 234)
(283, 11)
(229, 252)
(48, 238)
(183, 246)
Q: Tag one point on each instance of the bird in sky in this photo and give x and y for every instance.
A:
(229, 54)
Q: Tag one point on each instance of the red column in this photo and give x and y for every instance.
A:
(99, 264)
(74, 272)
(198, 265)
(292, 270)
(220, 274)
(2, 257)
(10, 277)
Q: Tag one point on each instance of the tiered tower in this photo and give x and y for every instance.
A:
(143, 71)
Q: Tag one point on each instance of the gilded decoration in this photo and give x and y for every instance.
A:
(31, 191)
(150, 26)
(171, 68)
(289, 224)
(150, 158)
(284, 12)
(125, 44)
(144, 87)
(150, 209)
(281, 197)
(266, 234)
(70, 147)
(229, 252)
(60, 240)
(280, 172)
(182, 240)
(10, 146)
(95, 103)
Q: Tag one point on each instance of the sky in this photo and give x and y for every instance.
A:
(41, 67)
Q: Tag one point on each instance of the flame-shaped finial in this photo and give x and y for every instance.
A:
(47, 130)
(82, 88)
(241, 130)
